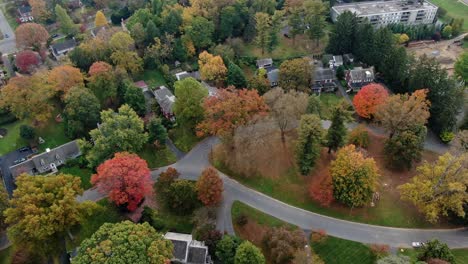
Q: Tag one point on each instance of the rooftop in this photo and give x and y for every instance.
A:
(65, 45)
(382, 7)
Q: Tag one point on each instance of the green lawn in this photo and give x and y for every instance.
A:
(5, 255)
(328, 100)
(12, 140)
(157, 157)
(455, 9)
(108, 213)
(336, 250)
(53, 133)
(261, 218)
(83, 173)
(153, 78)
(183, 140)
(461, 255)
(175, 223)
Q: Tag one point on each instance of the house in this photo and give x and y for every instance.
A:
(264, 63)
(273, 77)
(324, 78)
(337, 61)
(182, 75)
(142, 85)
(62, 48)
(211, 89)
(47, 161)
(187, 250)
(348, 58)
(358, 77)
(95, 31)
(25, 14)
(166, 101)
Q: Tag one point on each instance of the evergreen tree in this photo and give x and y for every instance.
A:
(249, 31)
(336, 136)
(156, 132)
(342, 36)
(236, 76)
(151, 31)
(67, 26)
(308, 145)
(135, 98)
(404, 148)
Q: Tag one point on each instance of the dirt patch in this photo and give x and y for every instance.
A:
(252, 231)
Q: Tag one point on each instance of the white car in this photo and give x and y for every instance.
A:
(417, 244)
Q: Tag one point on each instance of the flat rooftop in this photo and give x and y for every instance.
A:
(382, 7)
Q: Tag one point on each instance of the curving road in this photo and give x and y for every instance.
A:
(191, 165)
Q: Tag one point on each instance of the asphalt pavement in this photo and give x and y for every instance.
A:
(7, 45)
(8, 160)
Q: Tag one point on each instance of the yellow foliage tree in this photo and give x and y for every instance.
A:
(100, 20)
(212, 68)
(63, 78)
(403, 38)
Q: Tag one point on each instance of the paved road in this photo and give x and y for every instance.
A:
(191, 165)
(7, 45)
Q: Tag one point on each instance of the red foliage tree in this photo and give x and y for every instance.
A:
(368, 98)
(210, 187)
(125, 179)
(322, 191)
(26, 60)
(229, 109)
(99, 67)
(31, 34)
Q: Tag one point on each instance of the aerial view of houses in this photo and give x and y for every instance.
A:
(234, 132)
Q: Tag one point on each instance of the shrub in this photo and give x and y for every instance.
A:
(359, 137)
(436, 250)
(322, 192)
(151, 217)
(447, 136)
(27, 132)
(241, 220)
(319, 236)
(379, 250)
(368, 99)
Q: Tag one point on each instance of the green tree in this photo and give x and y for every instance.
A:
(151, 31)
(231, 22)
(295, 74)
(226, 249)
(461, 67)
(439, 187)
(182, 198)
(405, 148)
(27, 132)
(247, 253)
(157, 7)
(435, 249)
(81, 112)
(354, 177)
(236, 76)
(200, 31)
(67, 26)
(314, 105)
(135, 98)
(188, 107)
(394, 66)
(118, 132)
(157, 132)
(43, 209)
(336, 135)
(128, 242)
(315, 19)
(138, 34)
(142, 16)
(4, 204)
(342, 36)
(309, 142)
(263, 28)
(394, 259)
(340, 72)
(296, 21)
(447, 32)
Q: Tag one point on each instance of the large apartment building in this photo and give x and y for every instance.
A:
(381, 13)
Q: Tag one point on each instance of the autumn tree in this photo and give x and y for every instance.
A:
(63, 78)
(281, 244)
(286, 107)
(182, 197)
(247, 253)
(212, 68)
(235, 76)
(359, 137)
(315, 24)
(28, 98)
(228, 110)
(128, 242)
(123, 54)
(439, 187)
(210, 187)
(81, 112)
(310, 135)
(434, 249)
(125, 179)
(401, 112)
(4, 204)
(336, 134)
(66, 24)
(26, 61)
(260, 83)
(322, 191)
(39, 9)
(263, 27)
(368, 99)
(100, 20)
(405, 148)
(354, 177)
(102, 82)
(295, 74)
(121, 131)
(31, 35)
(43, 209)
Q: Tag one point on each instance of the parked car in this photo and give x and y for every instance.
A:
(55, 35)
(7, 36)
(19, 160)
(24, 149)
(417, 244)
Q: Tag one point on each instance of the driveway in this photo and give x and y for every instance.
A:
(6, 161)
(192, 164)
(7, 45)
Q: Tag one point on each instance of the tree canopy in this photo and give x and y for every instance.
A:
(309, 142)
(368, 99)
(295, 74)
(247, 253)
(188, 107)
(210, 187)
(31, 35)
(81, 112)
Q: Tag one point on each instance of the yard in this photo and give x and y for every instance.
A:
(461, 255)
(83, 173)
(455, 9)
(12, 140)
(5, 255)
(184, 140)
(157, 157)
(153, 78)
(275, 174)
(328, 100)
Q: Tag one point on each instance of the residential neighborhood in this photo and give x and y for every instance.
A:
(234, 132)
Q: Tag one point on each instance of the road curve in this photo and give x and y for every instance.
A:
(192, 164)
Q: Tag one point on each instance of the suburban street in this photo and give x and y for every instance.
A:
(192, 164)
(7, 45)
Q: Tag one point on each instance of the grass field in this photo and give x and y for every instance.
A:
(5, 255)
(455, 9)
(153, 78)
(183, 140)
(336, 251)
(240, 209)
(157, 157)
(328, 100)
(461, 255)
(83, 173)
(12, 140)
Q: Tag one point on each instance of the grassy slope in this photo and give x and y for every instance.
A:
(455, 9)
(183, 140)
(261, 218)
(83, 173)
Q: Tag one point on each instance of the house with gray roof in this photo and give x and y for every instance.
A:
(359, 77)
(182, 75)
(47, 161)
(324, 80)
(264, 63)
(62, 48)
(166, 101)
(187, 250)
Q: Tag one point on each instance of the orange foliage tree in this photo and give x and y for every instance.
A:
(64, 77)
(125, 179)
(229, 109)
(322, 191)
(368, 99)
(31, 34)
(99, 67)
(210, 187)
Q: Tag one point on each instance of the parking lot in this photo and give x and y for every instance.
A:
(8, 160)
